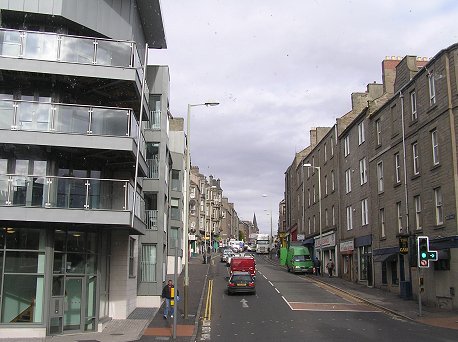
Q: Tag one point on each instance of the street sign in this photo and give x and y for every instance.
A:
(404, 245)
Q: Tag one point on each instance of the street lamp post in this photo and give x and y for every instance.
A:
(319, 207)
(188, 188)
(271, 229)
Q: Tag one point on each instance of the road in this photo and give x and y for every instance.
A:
(290, 307)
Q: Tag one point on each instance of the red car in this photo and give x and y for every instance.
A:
(243, 264)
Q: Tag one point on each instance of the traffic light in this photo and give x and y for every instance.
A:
(424, 254)
(423, 249)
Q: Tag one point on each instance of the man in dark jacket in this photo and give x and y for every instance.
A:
(168, 293)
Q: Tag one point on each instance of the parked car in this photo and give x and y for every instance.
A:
(241, 282)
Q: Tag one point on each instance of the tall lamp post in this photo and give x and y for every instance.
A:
(188, 188)
(319, 206)
(271, 229)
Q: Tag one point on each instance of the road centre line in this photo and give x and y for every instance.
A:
(276, 290)
(271, 283)
(287, 302)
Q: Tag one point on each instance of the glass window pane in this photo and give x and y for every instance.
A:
(59, 263)
(107, 121)
(40, 46)
(77, 50)
(76, 241)
(148, 265)
(91, 264)
(21, 238)
(22, 298)
(10, 43)
(6, 114)
(34, 116)
(4, 186)
(113, 53)
(75, 263)
(71, 119)
(22, 262)
(58, 286)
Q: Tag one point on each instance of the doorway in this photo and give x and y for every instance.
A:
(73, 304)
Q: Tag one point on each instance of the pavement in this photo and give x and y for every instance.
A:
(149, 325)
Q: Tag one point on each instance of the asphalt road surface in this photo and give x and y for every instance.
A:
(290, 307)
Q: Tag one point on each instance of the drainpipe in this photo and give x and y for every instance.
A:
(401, 96)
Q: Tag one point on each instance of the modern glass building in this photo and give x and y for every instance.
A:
(72, 161)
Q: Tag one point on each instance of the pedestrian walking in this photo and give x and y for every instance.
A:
(168, 293)
(330, 267)
(317, 266)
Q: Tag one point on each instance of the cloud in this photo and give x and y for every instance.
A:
(279, 68)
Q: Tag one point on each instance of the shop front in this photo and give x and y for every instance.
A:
(326, 249)
(346, 252)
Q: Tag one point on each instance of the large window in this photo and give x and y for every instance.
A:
(175, 209)
(148, 264)
(413, 105)
(378, 132)
(363, 170)
(349, 218)
(439, 212)
(176, 185)
(361, 133)
(397, 168)
(399, 216)
(22, 267)
(417, 201)
(415, 159)
(432, 89)
(347, 145)
(364, 212)
(380, 176)
(435, 147)
(131, 257)
(173, 237)
(382, 222)
(348, 181)
(333, 181)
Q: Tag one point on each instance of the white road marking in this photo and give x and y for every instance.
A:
(271, 283)
(276, 290)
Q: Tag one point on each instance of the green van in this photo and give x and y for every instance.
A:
(299, 260)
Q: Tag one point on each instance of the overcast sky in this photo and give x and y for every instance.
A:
(279, 68)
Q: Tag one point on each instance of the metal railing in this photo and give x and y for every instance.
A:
(69, 193)
(69, 119)
(49, 46)
(151, 219)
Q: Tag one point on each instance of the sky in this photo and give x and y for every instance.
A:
(279, 68)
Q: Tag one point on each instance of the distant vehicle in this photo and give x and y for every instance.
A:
(241, 282)
(298, 260)
(251, 247)
(236, 245)
(225, 254)
(230, 256)
(263, 244)
(243, 264)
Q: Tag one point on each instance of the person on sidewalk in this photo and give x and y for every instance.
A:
(317, 266)
(330, 267)
(168, 292)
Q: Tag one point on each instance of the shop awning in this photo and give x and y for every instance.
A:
(385, 257)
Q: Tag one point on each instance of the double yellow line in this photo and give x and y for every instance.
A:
(208, 305)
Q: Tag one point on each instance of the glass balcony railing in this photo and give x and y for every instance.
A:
(69, 193)
(48, 46)
(69, 119)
